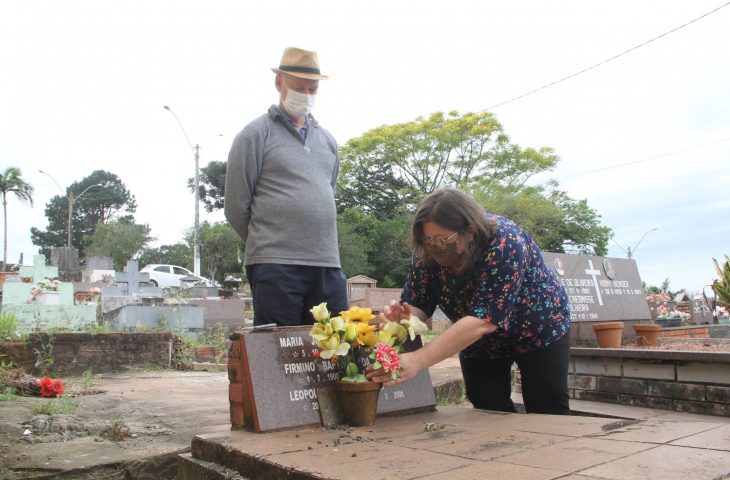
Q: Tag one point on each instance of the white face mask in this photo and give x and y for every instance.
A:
(298, 104)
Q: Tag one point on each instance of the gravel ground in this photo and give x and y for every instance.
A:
(693, 345)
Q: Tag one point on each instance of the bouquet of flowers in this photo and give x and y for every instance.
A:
(663, 313)
(350, 340)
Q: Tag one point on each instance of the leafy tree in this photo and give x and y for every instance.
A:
(357, 238)
(121, 240)
(11, 181)
(390, 168)
(212, 185)
(557, 222)
(392, 254)
(178, 254)
(108, 201)
(221, 249)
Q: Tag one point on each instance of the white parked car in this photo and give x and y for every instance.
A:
(166, 276)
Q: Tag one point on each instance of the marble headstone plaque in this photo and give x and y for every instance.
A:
(700, 311)
(280, 375)
(600, 288)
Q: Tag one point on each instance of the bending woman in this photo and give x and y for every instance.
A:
(506, 305)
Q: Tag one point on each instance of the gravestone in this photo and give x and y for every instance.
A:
(99, 262)
(98, 269)
(39, 270)
(34, 312)
(600, 288)
(274, 376)
(132, 277)
(67, 261)
(699, 311)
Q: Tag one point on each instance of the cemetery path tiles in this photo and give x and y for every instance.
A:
(477, 444)
(666, 462)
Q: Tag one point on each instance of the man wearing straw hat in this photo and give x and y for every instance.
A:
(279, 198)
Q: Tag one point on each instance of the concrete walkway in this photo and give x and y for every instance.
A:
(462, 443)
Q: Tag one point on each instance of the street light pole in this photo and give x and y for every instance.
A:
(71, 201)
(196, 226)
(196, 185)
(628, 249)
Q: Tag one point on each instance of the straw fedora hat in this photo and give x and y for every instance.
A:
(300, 63)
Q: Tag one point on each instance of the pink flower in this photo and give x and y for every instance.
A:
(388, 357)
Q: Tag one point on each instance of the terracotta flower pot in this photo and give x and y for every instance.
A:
(358, 402)
(608, 334)
(647, 334)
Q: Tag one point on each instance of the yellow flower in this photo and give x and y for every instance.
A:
(359, 314)
(351, 332)
(332, 346)
(392, 333)
(320, 312)
(338, 324)
(367, 338)
(415, 326)
(321, 331)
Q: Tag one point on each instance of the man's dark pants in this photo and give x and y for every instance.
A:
(284, 294)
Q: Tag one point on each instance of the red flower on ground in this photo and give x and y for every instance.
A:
(50, 387)
(388, 357)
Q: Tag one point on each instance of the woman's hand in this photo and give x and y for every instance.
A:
(409, 368)
(395, 312)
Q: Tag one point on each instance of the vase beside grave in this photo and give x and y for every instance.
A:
(647, 334)
(47, 298)
(358, 402)
(608, 334)
(328, 406)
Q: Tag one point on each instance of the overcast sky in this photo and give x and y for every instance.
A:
(644, 138)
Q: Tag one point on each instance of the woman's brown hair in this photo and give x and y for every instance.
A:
(454, 210)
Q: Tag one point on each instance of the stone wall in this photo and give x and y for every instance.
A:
(695, 382)
(74, 353)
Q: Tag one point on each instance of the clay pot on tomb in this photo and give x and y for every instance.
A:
(608, 334)
(647, 334)
(358, 402)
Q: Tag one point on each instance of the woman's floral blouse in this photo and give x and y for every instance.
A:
(510, 286)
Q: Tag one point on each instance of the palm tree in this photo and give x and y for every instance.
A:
(11, 181)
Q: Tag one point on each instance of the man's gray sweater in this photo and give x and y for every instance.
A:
(280, 192)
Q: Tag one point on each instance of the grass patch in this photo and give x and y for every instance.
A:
(57, 406)
(8, 394)
(116, 431)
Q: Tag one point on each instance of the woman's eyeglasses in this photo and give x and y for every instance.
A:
(438, 242)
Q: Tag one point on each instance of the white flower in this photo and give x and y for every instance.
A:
(320, 312)
(415, 326)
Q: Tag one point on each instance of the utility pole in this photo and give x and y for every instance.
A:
(196, 228)
(71, 201)
(629, 251)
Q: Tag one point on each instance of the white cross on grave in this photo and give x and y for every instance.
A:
(39, 270)
(595, 273)
(132, 277)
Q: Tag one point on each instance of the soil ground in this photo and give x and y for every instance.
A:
(119, 420)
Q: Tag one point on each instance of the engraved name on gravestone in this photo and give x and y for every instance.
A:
(281, 373)
(600, 288)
